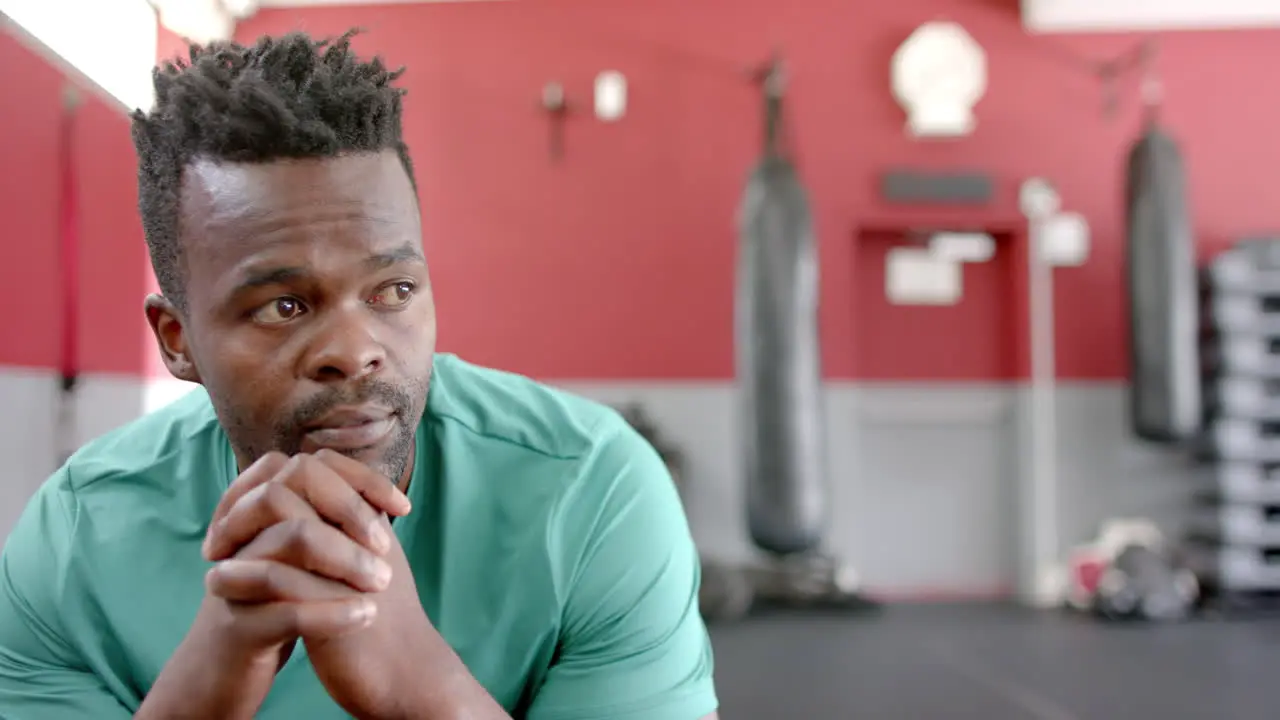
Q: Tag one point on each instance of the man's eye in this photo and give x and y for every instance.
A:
(394, 295)
(280, 310)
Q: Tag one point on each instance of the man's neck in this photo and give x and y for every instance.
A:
(407, 475)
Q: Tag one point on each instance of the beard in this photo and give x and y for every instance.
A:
(286, 433)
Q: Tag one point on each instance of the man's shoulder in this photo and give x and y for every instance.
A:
(566, 471)
(544, 453)
(488, 406)
(177, 439)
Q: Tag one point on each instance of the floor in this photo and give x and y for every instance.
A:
(996, 663)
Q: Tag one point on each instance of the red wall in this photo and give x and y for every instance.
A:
(115, 273)
(618, 261)
(31, 324)
(919, 342)
(112, 268)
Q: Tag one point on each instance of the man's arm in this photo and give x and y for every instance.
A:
(41, 674)
(633, 645)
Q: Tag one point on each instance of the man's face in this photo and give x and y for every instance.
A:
(309, 316)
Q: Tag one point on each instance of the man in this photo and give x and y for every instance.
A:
(234, 555)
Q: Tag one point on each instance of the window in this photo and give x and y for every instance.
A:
(111, 42)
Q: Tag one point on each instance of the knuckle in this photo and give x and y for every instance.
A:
(266, 465)
(273, 576)
(291, 617)
(228, 620)
(296, 469)
(362, 561)
(298, 534)
(307, 470)
(274, 459)
(213, 580)
(358, 509)
(307, 462)
(277, 499)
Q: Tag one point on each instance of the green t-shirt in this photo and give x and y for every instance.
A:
(547, 541)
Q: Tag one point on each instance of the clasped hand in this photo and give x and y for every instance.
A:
(303, 550)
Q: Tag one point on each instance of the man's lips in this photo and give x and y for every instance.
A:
(351, 428)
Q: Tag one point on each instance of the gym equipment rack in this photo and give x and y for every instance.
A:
(1234, 531)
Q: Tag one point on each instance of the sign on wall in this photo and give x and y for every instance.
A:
(918, 276)
(933, 274)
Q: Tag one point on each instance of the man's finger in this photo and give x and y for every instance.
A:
(337, 500)
(265, 625)
(317, 547)
(261, 471)
(376, 488)
(264, 505)
(268, 581)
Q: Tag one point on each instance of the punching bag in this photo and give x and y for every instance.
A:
(778, 366)
(1164, 315)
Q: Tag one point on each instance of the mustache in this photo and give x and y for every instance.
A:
(369, 392)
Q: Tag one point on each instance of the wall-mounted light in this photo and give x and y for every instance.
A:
(240, 9)
(1063, 239)
(201, 21)
(611, 95)
(1037, 199)
(1058, 238)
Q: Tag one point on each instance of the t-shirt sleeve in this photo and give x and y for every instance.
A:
(41, 675)
(633, 645)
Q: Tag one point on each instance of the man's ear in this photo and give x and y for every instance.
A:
(166, 324)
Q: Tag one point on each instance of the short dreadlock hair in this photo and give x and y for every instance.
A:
(284, 97)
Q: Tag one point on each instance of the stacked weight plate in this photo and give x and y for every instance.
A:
(1236, 524)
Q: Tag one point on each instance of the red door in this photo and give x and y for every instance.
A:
(934, 448)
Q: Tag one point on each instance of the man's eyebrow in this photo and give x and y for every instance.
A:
(406, 253)
(255, 279)
(268, 277)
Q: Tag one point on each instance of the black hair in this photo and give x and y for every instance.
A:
(284, 97)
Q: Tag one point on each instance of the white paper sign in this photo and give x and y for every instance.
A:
(916, 276)
(963, 247)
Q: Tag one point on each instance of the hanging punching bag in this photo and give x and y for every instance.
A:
(778, 365)
(1164, 311)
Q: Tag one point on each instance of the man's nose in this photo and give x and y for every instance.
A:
(345, 348)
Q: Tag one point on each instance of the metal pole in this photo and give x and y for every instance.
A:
(1040, 508)
(66, 430)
